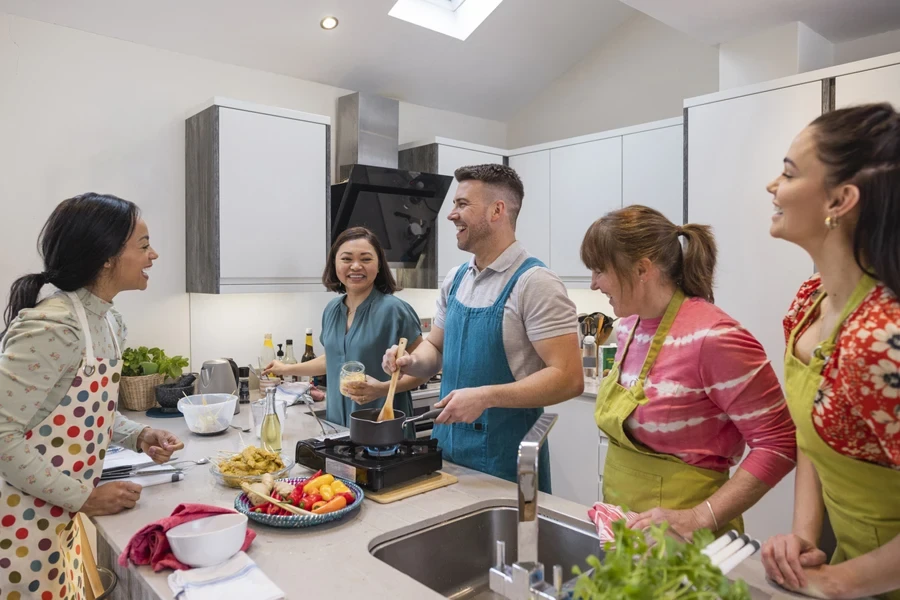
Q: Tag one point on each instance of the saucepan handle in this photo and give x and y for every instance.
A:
(431, 414)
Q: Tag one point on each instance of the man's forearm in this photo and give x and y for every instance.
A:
(550, 385)
(428, 361)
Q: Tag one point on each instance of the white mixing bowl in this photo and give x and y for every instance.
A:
(208, 541)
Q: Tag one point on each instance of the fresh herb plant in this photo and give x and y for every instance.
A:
(147, 361)
(658, 568)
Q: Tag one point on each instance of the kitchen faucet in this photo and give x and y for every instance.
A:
(524, 579)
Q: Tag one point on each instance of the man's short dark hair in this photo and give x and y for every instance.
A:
(501, 176)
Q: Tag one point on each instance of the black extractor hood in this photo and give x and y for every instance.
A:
(400, 206)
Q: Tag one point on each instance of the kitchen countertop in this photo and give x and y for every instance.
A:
(335, 555)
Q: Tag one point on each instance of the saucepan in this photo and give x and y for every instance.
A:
(366, 430)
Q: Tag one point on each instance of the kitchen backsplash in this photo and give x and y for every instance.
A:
(233, 325)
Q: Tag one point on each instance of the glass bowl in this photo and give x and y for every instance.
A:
(235, 481)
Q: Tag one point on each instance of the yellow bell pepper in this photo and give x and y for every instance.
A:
(318, 482)
(338, 486)
(326, 492)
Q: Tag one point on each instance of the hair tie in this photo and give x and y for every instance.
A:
(45, 277)
(679, 231)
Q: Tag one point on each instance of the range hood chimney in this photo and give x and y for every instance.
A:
(368, 130)
(399, 206)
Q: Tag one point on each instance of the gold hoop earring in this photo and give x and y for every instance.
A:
(831, 222)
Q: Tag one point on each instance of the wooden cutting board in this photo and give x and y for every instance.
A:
(414, 487)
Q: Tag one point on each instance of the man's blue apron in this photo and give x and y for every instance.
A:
(474, 356)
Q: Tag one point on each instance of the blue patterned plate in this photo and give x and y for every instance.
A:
(243, 506)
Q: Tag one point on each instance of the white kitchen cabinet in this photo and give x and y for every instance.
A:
(735, 148)
(653, 171)
(533, 224)
(876, 85)
(451, 158)
(256, 199)
(585, 184)
(574, 456)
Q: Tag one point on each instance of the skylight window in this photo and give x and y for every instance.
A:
(447, 4)
(456, 18)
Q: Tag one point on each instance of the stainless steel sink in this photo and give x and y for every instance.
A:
(453, 554)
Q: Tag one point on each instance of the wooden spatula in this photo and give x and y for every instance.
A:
(387, 411)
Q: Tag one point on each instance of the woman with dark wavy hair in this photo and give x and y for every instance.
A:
(838, 198)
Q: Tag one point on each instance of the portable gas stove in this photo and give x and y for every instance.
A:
(373, 468)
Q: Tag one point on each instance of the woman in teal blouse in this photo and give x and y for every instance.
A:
(358, 325)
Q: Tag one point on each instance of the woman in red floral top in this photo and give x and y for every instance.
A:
(857, 409)
(839, 199)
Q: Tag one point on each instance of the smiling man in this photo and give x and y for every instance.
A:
(505, 333)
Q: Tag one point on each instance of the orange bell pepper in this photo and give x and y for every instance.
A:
(336, 503)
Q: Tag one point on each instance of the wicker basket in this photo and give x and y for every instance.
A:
(139, 393)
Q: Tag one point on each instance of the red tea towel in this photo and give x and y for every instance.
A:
(149, 546)
(603, 516)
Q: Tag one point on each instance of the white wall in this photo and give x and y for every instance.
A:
(777, 52)
(867, 47)
(813, 50)
(81, 112)
(769, 54)
(642, 72)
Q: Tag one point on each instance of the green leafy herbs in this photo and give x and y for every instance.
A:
(148, 361)
(661, 568)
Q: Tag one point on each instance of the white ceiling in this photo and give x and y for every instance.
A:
(520, 49)
(716, 21)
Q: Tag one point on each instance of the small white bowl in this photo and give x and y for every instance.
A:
(208, 419)
(208, 541)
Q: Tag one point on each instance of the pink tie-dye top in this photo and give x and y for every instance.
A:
(711, 393)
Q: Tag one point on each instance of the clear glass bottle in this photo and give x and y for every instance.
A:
(270, 432)
(589, 358)
(290, 359)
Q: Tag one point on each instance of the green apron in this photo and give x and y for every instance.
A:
(862, 498)
(634, 476)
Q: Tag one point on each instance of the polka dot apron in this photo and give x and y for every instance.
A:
(40, 545)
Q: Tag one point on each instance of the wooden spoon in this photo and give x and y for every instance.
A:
(387, 411)
(288, 507)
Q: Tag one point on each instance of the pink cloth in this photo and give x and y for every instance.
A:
(712, 392)
(603, 516)
(149, 546)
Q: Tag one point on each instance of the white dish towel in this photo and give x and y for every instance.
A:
(238, 578)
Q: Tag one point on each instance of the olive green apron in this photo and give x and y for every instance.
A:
(634, 476)
(862, 498)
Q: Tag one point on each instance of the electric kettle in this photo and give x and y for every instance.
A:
(219, 376)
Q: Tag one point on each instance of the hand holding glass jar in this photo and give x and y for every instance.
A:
(351, 372)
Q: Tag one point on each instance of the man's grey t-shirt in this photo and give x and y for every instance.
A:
(537, 309)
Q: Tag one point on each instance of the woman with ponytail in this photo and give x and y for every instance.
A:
(690, 388)
(60, 363)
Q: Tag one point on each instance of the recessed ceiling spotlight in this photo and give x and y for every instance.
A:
(329, 23)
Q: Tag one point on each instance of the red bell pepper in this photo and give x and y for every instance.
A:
(348, 496)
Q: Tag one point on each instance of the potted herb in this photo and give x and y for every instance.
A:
(142, 370)
(655, 566)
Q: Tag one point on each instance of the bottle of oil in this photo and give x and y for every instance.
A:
(270, 431)
(308, 353)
